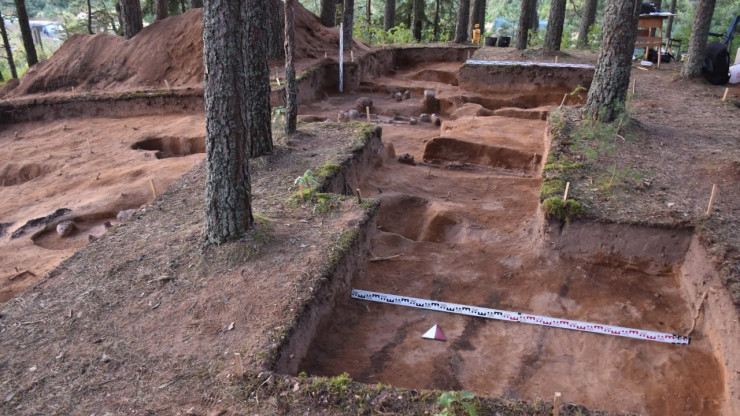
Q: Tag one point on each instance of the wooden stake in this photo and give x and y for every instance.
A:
(711, 199)
(359, 196)
(154, 189)
(89, 146)
(724, 97)
(556, 404)
(238, 365)
(277, 78)
(563, 102)
(367, 111)
(351, 56)
(634, 86)
(565, 195)
(326, 55)
(556, 59)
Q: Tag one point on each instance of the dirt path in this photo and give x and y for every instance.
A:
(473, 237)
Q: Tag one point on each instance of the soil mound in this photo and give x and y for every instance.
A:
(167, 53)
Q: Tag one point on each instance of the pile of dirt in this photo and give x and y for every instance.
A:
(167, 53)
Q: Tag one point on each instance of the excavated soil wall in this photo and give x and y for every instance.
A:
(492, 77)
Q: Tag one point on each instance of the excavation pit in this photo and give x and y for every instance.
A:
(166, 147)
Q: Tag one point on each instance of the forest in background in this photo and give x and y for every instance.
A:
(501, 20)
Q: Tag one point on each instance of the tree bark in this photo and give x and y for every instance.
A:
(291, 89)
(194, 4)
(389, 19)
(525, 23)
(368, 13)
(669, 26)
(478, 15)
(348, 18)
(463, 15)
(554, 33)
(161, 10)
(31, 58)
(611, 80)
(8, 50)
(275, 19)
(329, 13)
(588, 18)
(534, 23)
(225, 55)
(259, 125)
(417, 19)
(89, 18)
(131, 14)
(436, 22)
(698, 40)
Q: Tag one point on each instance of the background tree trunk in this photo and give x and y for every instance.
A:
(698, 40)
(348, 18)
(8, 50)
(389, 20)
(658, 4)
(225, 55)
(611, 80)
(259, 39)
(161, 10)
(329, 13)
(194, 4)
(131, 15)
(534, 23)
(525, 23)
(588, 18)
(31, 58)
(436, 21)
(554, 33)
(418, 18)
(669, 26)
(89, 18)
(276, 21)
(478, 15)
(291, 89)
(463, 15)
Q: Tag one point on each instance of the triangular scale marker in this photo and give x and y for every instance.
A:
(435, 332)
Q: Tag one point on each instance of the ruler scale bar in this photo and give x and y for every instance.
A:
(519, 317)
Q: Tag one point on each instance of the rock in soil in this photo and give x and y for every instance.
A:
(362, 103)
(430, 103)
(407, 159)
(424, 117)
(65, 228)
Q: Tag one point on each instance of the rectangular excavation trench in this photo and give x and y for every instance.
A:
(476, 237)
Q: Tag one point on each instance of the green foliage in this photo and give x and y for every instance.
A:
(595, 138)
(339, 384)
(555, 208)
(451, 401)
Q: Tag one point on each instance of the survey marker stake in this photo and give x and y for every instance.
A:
(525, 318)
(436, 333)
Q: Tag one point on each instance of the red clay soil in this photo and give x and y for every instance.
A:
(167, 53)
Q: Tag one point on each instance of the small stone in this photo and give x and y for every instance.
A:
(32, 369)
(328, 120)
(670, 204)
(406, 159)
(125, 214)
(424, 117)
(397, 96)
(354, 114)
(412, 121)
(407, 94)
(105, 358)
(65, 228)
(343, 117)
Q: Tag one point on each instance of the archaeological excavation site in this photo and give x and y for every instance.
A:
(450, 175)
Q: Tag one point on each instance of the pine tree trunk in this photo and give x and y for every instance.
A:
(534, 23)
(418, 17)
(698, 40)
(611, 80)
(329, 13)
(554, 33)
(477, 15)
(8, 50)
(348, 18)
(291, 89)
(89, 18)
(31, 58)
(131, 15)
(669, 26)
(194, 4)
(259, 125)
(275, 19)
(525, 23)
(161, 10)
(588, 18)
(368, 13)
(389, 20)
(436, 22)
(463, 15)
(225, 54)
